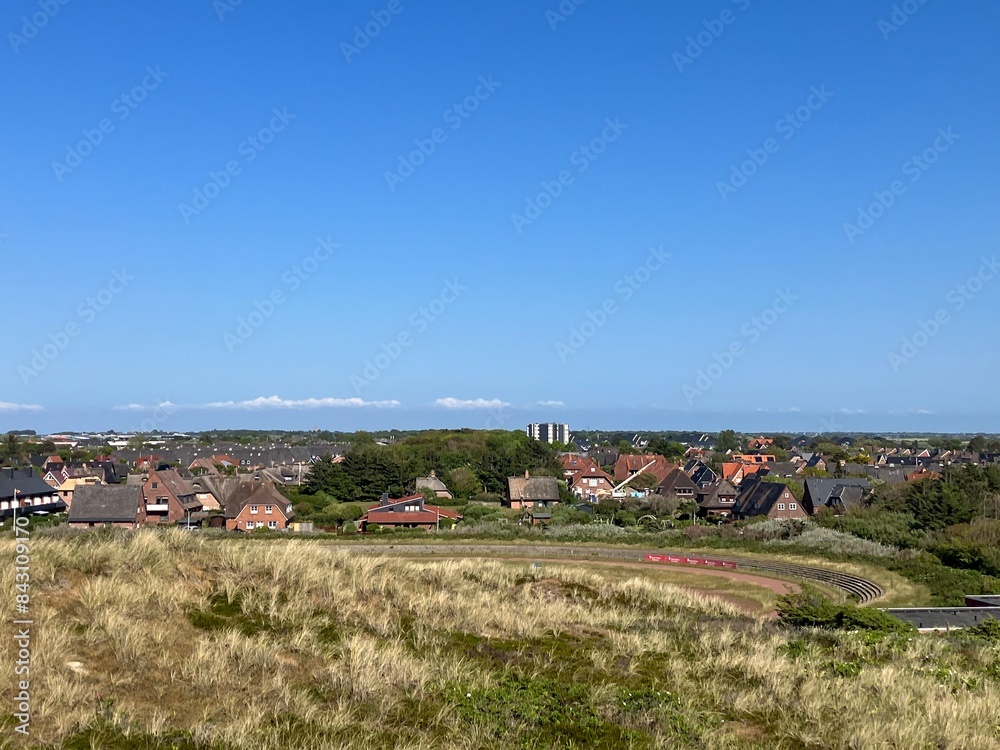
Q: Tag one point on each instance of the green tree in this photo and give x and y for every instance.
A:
(12, 451)
(667, 448)
(977, 444)
(727, 441)
(644, 481)
(463, 482)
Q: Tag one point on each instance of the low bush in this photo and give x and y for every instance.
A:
(948, 586)
(810, 609)
(885, 527)
(838, 543)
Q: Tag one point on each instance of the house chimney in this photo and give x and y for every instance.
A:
(385, 498)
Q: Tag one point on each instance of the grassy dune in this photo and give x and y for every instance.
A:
(195, 643)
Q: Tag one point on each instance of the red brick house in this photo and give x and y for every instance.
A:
(585, 478)
(771, 499)
(167, 498)
(406, 513)
(628, 465)
(258, 505)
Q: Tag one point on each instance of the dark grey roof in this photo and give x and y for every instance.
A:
(106, 503)
(883, 473)
(675, 481)
(704, 476)
(757, 497)
(708, 498)
(25, 481)
(781, 469)
(819, 490)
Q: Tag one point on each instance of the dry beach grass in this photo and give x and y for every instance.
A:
(208, 643)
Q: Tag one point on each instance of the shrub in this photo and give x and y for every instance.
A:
(948, 586)
(773, 528)
(988, 630)
(810, 609)
(884, 527)
(837, 543)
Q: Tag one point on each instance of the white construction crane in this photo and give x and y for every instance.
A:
(616, 492)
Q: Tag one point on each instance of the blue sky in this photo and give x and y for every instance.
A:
(278, 204)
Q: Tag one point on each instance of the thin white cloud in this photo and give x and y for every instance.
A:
(473, 403)
(7, 406)
(140, 407)
(274, 402)
(269, 402)
(552, 404)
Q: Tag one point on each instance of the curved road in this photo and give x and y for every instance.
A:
(864, 590)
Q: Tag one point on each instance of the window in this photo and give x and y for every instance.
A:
(793, 506)
(592, 482)
(272, 524)
(781, 506)
(268, 509)
(250, 525)
(253, 510)
(154, 485)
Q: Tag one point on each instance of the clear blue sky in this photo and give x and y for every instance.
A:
(485, 292)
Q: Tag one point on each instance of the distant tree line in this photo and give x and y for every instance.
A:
(468, 462)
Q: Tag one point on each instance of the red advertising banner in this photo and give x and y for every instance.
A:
(704, 561)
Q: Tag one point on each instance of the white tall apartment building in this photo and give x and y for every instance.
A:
(549, 432)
